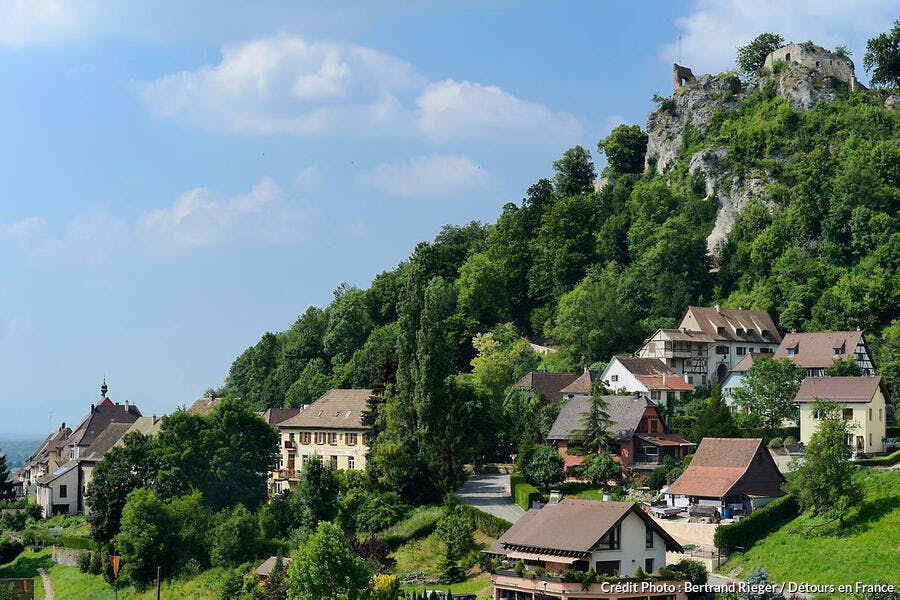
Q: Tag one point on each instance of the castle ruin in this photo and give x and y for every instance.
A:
(681, 76)
(817, 59)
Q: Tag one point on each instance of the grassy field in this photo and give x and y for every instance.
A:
(423, 555)
(867, 550)
(26, 565)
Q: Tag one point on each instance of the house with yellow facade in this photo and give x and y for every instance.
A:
(863, 401)
(330, 428)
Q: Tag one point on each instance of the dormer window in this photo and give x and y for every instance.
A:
(739, 331)
(839, 350)
(720, 330)
(793, 351)
(751, 332)
(319, 414)
(765, 333)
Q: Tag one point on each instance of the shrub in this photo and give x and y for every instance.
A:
(522, 492)
(485, 522)
(757, 525)
(9, 549)
(789, 441)
(84, 561)
(776, 442)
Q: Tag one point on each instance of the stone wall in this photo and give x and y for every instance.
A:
(815, 58)
(67, 557)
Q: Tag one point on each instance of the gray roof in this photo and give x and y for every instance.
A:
(624, 411)
(106, 440)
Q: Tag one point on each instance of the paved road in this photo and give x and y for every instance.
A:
(488, 493)
(48, 589)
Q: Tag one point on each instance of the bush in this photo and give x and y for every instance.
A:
(757, 525)
(776, 442)
(657, 479)
(84, 561)
(880, 461)
(379, 511)
(486, 522)
(789, 441)
(9, 549)
(521, 491)
(95, 567)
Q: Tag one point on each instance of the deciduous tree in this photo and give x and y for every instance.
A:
(882, 58)
(752, 56)
(769, 389)
(325, 568)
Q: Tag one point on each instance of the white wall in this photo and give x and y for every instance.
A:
(633, 549)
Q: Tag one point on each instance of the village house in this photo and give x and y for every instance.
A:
(709, 341)
(612, 538)
(735, 378)
(640, 437)
(649, 376)
(331, 428)
(815, 351)
(548, 385)
(737, 475)
(863, 401)
(581, 386)
(45, 460)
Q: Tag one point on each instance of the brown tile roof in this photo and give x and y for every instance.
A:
(145, 426)
(815, 349)
(336, 409)
(709, 319)
(745, 363)
(671, 382)
(841, 389)
(582, 384)
(548, 385)
(101, 415)
(573, 525)
(274, 416)
(106, 440)
(204, 406)
(720, 463)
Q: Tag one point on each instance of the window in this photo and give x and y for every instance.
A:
(765, 333)
(319, 414)
(870, 439)
(610, 541)
(320, 438)
(648, 565)
(740, 351)
(648, 537)
(720, 330)
(848, 414)
(333, 461)
(870, 416)
(332, 439)
(739, 331)
(721, 349)
(653, 425)
(306, 437)
(751, 332)
(351, 439)
(613, 377)
(303, 460)
(655, 394)
(607, 567)
(793, 351)
(291, 437)
(63, 491)
(351, 462)
(691, 379)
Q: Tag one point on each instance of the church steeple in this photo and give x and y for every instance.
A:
(103, 389)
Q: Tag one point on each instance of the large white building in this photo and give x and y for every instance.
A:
(709, 341)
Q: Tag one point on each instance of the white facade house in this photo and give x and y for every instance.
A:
(647, 376)
(815, 351)
(708, 342)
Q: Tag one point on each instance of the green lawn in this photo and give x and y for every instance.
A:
(867, 550)
(26, 565)
(479, 584)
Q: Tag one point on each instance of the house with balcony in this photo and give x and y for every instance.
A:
(640, 438)
(558, 542)
(646, 376)
(737, 475)
(815, 351)
(864, 402)
(709, 341)
(331, 428)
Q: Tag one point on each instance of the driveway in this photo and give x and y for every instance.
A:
(487, 492)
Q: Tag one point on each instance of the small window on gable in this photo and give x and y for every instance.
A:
(337, 413)
(765, 333)
(347, 416)
(613, 377)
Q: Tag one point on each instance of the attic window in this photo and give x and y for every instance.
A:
(765, 333)
(720, 330)
(739, 331)
(794, 350)
(347, 416)
(319, 414)
(337, 413)
(751, 332)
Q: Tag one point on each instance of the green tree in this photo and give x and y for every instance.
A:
(625, 148)
(232, 585)
(6, 487)
(882, 58)
(349, 324)
(317, 493)
(824, 482)
(575, 173)
(192, 522)
(752, 56)
(846, 367)
(716, 420)
(235, 538)
(146, 536)
(325, 568)
(759, 580)
(594, 434)
(483, 296)
(457, 534)
(123, 469)
(769, 388)
(598, 468)
(275, 587)
(545, 468)
(312, 383)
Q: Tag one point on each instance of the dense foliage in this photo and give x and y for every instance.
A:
(882, 58)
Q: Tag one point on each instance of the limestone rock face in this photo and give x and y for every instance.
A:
(803, 87)
(892, 102)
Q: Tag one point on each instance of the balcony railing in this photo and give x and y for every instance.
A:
(509, 581)
(290, 444)
(286, 473)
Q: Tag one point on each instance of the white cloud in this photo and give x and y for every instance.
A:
(715, 28)
(30, 22)
(309, 177)
(197, 218)
(451, 110)
(286, 85)
(22, 229)
(431, 176)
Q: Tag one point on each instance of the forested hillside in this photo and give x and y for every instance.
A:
(593, 269)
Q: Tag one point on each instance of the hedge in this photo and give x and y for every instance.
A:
(521, 491)
(880, 461)
(757, 525)
(486, 522)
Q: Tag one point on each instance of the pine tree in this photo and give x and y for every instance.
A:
(6, 486)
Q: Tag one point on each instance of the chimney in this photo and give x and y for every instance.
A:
(126, 406)
(153, 420)
(718, 309)
(665, 379)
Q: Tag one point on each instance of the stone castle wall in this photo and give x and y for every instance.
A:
(816, 58)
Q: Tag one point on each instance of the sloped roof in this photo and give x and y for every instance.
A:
(106, 440)
(204, 406)
(581, 384)
(654, 373)
(625, 412)
(709, 319)
(573, 525)
(815, 349)
(265, 569)
(101, 415)
(548, 385)
(145, 426)
(718, 465)
(841, 389)
(274, 416)
(684, 335)
(59, 472)
(745, 363)
(336, 409)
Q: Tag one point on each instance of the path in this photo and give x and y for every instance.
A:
(48, 589)
(487, 492)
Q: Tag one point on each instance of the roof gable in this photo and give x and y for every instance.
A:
(625, 412)
(720, 463)
(841, 389)
(548, 385)
(335, 409)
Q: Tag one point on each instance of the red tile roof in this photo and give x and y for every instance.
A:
(720, 464)
(582, 385)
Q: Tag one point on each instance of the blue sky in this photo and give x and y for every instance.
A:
(178, 178)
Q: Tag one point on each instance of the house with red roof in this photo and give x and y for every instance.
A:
(646, 376)
(737, 474)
